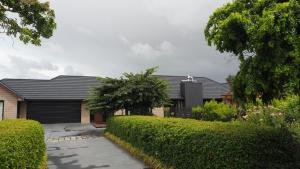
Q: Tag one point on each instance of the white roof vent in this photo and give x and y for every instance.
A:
(189, 79)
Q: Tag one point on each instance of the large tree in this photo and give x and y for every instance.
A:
(29, 20)
(265, 36)
(135, 93)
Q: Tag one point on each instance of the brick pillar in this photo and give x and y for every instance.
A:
(85, 114)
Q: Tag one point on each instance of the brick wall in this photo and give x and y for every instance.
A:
(85, 114)
(10, 103)
(158, 111)
(120, 112)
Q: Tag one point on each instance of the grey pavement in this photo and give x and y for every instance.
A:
(77, 146)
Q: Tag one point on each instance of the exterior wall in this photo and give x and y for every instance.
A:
(120, 112)
(10, 103)
(158, 111)
(85, 114)
(23, 110)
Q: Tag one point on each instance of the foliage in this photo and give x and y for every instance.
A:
(136, 93)
(281, 113)
(295, 129)
(213, 110)
(22, 144)
(150, 161)
(290, 106)
(193, 144)
(108, 96)
(29, 20)
(265, 36)
(266, 115)
(168, 112)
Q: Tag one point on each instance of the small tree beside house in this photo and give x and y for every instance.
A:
(136, 94)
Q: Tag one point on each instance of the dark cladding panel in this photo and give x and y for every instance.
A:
(192, 93)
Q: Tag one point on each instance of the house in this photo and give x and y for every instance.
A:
(61, 99)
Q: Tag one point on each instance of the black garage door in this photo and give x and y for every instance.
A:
(54, 111)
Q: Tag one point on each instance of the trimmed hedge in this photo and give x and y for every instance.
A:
(150, 161)
(22, 145)
(193, 144)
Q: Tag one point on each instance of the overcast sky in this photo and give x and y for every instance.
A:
(108, 37)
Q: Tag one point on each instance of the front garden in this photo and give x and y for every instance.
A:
(245, 135)
(220, 136)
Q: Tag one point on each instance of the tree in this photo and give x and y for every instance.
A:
(29, 20)
(265, 36)
(135, 93)
(106, 97)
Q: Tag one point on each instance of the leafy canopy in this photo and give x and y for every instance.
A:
(265, 36)
(134, 93)
(29, 20)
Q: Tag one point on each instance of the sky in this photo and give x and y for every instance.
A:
(109, 37)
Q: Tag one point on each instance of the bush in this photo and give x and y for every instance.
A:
(281, 113)
(22, 145)
(187, 143)
(213, 110)
(290, 107)
(266, 115)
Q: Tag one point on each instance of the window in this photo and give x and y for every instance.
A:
(1, 109)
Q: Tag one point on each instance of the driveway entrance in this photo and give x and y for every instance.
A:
(77, 146)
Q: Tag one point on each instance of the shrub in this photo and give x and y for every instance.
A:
(22, 145)
(213, 110)
(281, 113)
(290, 106)
(192, 144)
(266, 115)
(168, 112)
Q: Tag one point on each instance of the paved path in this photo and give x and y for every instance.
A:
(76, 146)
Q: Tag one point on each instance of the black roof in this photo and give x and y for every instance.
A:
(77, 87)
(211, 88)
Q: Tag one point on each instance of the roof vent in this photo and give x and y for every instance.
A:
(189, 79)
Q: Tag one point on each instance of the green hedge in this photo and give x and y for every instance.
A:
(22, 145)
(192, 144)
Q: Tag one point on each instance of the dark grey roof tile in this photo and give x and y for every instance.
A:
(77, 87)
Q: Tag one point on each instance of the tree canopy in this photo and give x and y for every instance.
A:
(135, 93)
(29, 20)
(265, 36)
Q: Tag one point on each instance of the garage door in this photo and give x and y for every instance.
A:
(54, 111)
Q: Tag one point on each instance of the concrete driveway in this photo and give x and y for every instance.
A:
(77, 146)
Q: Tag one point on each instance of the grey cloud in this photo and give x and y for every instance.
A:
(27, 64)
(148, 51)
(84, 30)
(109, 37)
(69, 70)
(26, 68)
